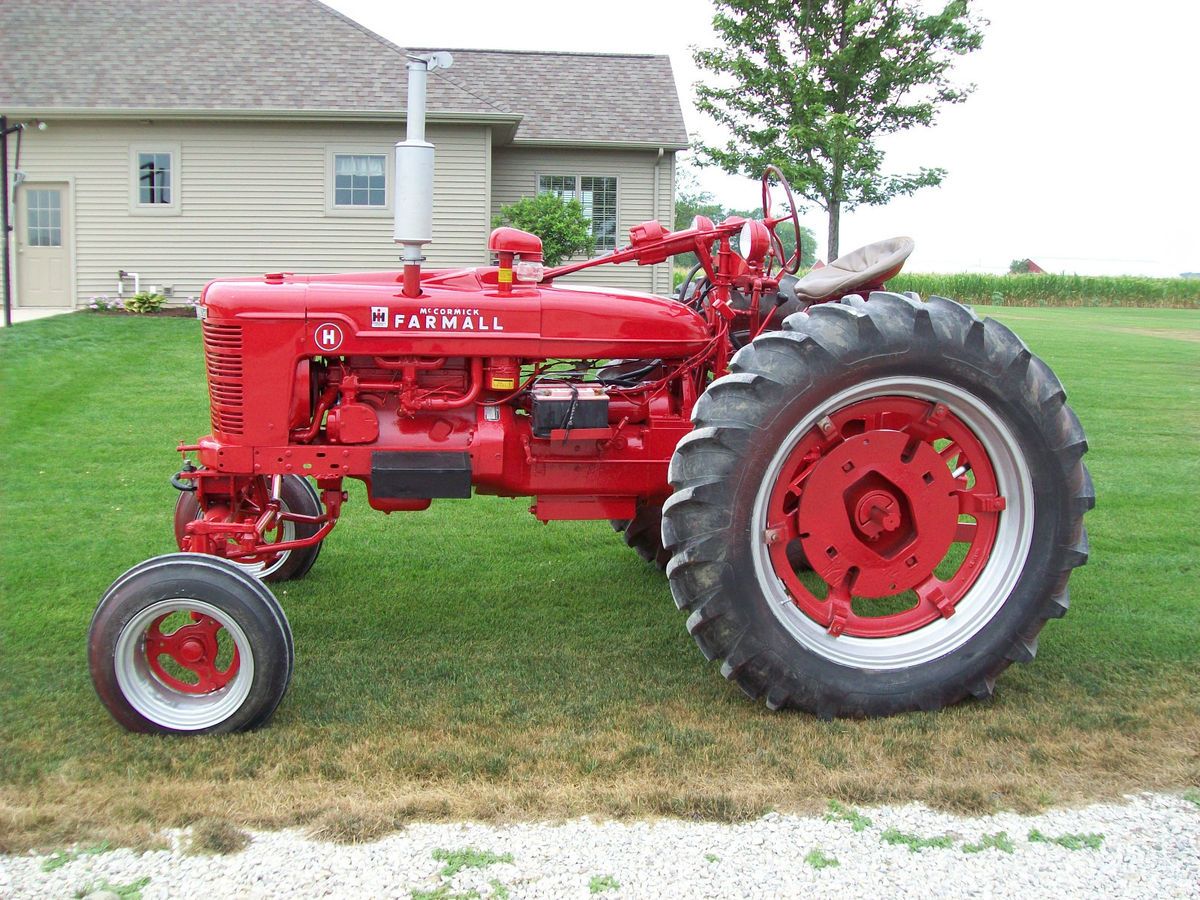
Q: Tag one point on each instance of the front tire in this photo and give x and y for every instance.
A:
(928, 467)
(189, 644)
(643, 534)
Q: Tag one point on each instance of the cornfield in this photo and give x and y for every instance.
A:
(1055, 290)
(1047, 290)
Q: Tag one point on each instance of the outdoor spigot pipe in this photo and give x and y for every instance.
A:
(414, 173)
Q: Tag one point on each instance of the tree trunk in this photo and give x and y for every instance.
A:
(835, 215)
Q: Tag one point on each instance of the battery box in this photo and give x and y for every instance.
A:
(568, 408)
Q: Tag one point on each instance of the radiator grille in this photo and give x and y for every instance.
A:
(223, 357)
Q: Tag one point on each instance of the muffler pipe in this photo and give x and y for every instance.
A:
(414, 173)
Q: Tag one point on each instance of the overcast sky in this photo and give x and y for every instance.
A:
(1078, 150)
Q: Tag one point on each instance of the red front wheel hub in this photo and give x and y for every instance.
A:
(195, 649)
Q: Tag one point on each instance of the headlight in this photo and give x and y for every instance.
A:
(753, 241)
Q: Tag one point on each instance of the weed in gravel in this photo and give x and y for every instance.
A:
(1081, 841)
(215, 837)
(131, 891)
(914, 842)
(499, 891)
(468, 858)
(839, 813)
(601, 883)
(712, 857)
(997, 841)
(60, 858)
(443, 892)
(818, 860)
(1192, 796)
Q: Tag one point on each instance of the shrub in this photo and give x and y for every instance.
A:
(564, 229)
(145, 302)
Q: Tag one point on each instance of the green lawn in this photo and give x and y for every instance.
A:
(468, 661)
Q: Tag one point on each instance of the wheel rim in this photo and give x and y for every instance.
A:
(187, 677)
(915, 507)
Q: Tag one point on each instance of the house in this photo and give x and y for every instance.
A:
(185, 141)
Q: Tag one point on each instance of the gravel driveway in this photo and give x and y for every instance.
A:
(1148, 847)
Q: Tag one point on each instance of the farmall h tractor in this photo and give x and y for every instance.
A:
(864, 503)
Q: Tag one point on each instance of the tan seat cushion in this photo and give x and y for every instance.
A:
(865, 267)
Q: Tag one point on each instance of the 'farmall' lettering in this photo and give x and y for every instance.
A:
(436, 318)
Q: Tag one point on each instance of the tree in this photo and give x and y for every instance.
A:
(818, 82)
(561, 224)
(690, 201)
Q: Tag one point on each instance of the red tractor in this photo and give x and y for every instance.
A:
(864, 503)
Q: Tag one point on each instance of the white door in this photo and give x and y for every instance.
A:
(43, 245)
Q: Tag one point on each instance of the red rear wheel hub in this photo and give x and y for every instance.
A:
(876, 495)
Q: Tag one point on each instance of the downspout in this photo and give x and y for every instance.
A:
(414, 173)
(654, 271)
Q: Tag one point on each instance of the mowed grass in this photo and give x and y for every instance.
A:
(468, 662)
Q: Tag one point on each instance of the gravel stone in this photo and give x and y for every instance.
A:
(1150, 849)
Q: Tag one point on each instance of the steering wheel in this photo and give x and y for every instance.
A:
(792, 265)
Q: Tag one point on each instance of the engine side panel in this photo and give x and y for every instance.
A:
(463, 313)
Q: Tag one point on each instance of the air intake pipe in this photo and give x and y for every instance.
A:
(414, 173)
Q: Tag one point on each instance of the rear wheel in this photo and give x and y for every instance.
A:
(189, 644)
(296, 496)
(924, 463)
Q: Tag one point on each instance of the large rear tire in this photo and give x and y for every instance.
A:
(189, 644)
(927, 465)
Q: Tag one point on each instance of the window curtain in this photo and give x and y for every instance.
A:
(360, 165)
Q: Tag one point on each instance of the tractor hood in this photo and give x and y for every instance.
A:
(461, 313)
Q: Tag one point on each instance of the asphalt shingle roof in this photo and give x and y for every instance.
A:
(580, 96)
(300, 55)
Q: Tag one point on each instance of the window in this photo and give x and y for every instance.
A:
(359, 180)
(154, 170)
(43, 218)
(563, 185)
(597, 194)
(154, 178)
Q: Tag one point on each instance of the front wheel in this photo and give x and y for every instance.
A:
(643, 534)
(926, 466)
(189, 644)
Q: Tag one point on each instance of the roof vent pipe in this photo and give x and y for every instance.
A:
(414, 173)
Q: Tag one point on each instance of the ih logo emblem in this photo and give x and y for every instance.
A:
(379, 316)
(329, 337)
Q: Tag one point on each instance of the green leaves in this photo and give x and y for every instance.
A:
(811, 85)
(561, 224)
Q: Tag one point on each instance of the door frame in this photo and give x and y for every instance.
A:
(68, 218)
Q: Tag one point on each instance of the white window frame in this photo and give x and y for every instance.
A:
(332, 152)
(136, 206)
(579, 176)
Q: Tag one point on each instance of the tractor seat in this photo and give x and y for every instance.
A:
(866, 267)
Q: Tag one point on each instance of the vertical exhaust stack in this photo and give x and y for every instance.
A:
(414, 173)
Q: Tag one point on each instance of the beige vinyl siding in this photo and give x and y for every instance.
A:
(514, 175)
(252, 200)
